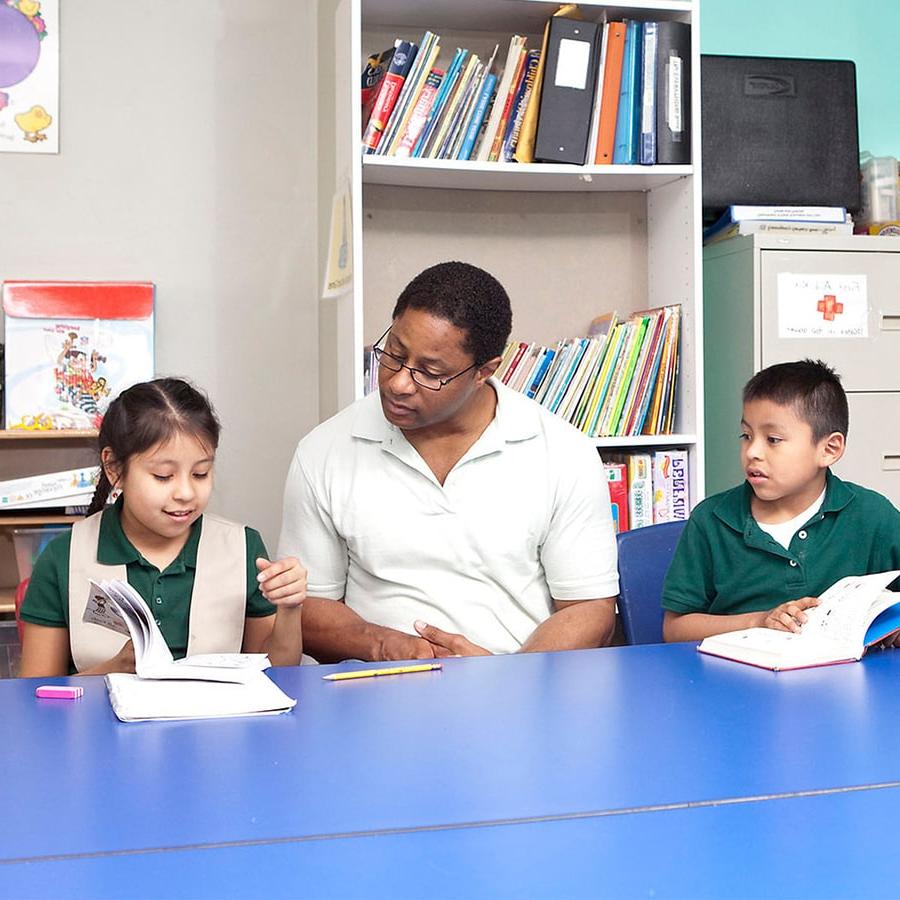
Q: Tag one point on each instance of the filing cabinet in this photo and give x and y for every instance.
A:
(771, 299)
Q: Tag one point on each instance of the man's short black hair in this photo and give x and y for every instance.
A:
(810, 387)
(467, 297)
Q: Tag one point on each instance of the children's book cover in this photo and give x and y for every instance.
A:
(71, 347)
(29, 76)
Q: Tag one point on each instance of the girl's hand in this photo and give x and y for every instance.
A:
(123, 661)
(282, 582)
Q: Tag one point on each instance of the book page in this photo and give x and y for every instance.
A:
(834, 630)
(135, 699)
(116, 604)
(101, 611)
(847, 608)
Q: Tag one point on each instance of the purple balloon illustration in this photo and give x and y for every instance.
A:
(20, 46)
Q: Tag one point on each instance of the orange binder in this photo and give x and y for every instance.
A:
(609, 102)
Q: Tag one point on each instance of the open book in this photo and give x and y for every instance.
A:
(853, 614)
(203, 686)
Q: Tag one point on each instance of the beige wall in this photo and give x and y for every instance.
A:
(188, 158)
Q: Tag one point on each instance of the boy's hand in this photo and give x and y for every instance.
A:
(789, 616)
(891, 641)
(282, 582)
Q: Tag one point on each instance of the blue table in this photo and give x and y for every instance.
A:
(829, 846)
(545, 746)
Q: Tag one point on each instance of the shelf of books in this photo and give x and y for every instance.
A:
(511, 176)
(548, 164)
(18, 434)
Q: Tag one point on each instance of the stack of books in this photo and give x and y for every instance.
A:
(619, 381)
(467, 107)
(809, 220)
(648, 488)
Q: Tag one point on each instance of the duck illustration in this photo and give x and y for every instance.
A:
(33, 122)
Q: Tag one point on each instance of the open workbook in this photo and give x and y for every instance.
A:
(853, 614)
(197, 687)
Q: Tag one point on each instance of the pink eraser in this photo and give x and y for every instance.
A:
(58, 692)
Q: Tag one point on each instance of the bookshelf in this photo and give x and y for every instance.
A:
(568, 242)
(24, 453)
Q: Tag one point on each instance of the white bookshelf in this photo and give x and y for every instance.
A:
(567, 242)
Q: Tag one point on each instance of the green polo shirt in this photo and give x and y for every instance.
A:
(725, 564)
(167, 593)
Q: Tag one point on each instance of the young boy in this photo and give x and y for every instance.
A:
(761, 553)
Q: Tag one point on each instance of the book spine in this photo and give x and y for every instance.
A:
(640, 490)
(680, 493)
(609, 102)
(419, 113)
(437, 108)
(475, 123)
(835, 214)
(648, 96)
(517, 113)
(373, 73)
(671, 485)
(617, 477)
(391, 85)
(518, 74)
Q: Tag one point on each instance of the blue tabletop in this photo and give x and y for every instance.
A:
(821, 846)
(484, 740)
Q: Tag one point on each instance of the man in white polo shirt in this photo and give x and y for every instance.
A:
(447, 514)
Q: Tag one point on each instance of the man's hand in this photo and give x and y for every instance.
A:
(282, 582)
(397, 645)
(789, 616)
(446, 644)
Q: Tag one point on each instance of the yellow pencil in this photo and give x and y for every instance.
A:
(371, 673)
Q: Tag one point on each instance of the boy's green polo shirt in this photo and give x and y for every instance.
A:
(167, 593)
(725, 564)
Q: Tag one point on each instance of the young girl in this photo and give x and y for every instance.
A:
(198, 573)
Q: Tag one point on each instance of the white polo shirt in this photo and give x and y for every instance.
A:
(522, 518)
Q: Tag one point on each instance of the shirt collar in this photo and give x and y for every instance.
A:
(515, 419)
(114, 548)
(734, 507)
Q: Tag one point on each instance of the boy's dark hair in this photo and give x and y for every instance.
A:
(810, 387)
(467, 297)
(148, 414)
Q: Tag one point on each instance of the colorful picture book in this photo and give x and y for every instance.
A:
(647, 488)
(71, 347)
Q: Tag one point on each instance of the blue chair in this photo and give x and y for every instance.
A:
(644, 557)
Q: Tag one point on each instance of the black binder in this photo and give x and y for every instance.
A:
(673, 93)
(567, 92)
(779, 131)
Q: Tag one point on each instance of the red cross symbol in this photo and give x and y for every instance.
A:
(829, 307)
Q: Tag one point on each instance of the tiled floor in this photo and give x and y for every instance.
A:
(10, 651)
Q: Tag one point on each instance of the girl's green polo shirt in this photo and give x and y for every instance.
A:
(167, 593)
(725, 564)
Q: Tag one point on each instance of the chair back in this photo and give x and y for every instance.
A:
(644, 557)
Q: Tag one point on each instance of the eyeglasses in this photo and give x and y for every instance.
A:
(422, 379)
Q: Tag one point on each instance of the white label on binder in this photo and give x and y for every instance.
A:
(572, 64)
(822, 306)
(674, 106)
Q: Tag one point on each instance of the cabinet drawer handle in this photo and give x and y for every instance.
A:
(890, 462)
(890, 322)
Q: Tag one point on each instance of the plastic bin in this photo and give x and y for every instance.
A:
(29, 543)
(879, 190)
